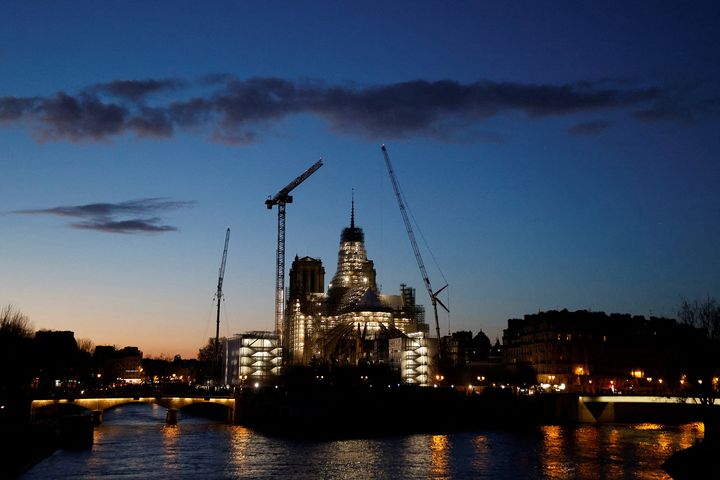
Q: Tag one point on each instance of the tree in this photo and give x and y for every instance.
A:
(703, 314)
(16, 334)
(13, 323)
(210, 368)
(207, 352)
(702, 362)
(86, 345)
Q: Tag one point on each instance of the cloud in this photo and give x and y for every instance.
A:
(148, 225)
(77, 118)
(232, 110)
(683, 102)
(136, 90)
(589, 128)
(104, 217)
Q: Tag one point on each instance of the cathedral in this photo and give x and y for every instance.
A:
(352, 322)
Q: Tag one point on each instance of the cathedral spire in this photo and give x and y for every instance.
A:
(352, 233)
(352, 210)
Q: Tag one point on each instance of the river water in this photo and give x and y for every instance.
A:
(133, 442)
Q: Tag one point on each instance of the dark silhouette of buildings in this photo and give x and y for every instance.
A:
(594, 352)
(118, 367)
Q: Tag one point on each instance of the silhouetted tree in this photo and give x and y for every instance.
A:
(86, 345)
(16, 335)
(210, 365)
(703, 314)
(207, 352)
(702, 361)
(15, 324)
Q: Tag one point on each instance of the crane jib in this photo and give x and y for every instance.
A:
(413, 242)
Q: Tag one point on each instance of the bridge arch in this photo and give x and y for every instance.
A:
(80, 405)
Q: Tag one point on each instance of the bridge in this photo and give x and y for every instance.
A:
(628, 408)
(98, 405)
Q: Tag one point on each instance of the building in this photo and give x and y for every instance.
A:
(411, 355)
(118, 367)
(250, 358)
(352, 322)
(595, 352)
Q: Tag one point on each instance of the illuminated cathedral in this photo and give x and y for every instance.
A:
(353, 322)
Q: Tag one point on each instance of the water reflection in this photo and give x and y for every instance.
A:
(239, 443)
(553, 458)
(170, 437)
(481, 447)
(135, 443)
(439, 455)
(611, 451)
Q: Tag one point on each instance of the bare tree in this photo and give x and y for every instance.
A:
(702, 362)
(14, 323)
(16, 335)
(703, 314)
(207, 352)
(86, 345)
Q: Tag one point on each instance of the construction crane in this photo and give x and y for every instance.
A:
(281, 199)
(408, 226)
(218, 296)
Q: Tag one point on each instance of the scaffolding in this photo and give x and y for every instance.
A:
(411, 354)
(251, 357)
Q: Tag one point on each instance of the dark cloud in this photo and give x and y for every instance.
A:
(148, 225)
(12, 108)
(231, 110)
(135, 90)
(151, 122)
(104, 217)
(683, 102)
(78, 118)
(589, 128)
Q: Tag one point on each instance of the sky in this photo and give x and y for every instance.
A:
(553, 155)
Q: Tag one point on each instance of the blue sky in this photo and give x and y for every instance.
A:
(555, 155)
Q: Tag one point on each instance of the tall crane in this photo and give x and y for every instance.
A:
(280, 199)
(218, 296)
(408, 226)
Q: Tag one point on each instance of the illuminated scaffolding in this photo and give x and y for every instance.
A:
(353, 321)
(251, 356)
(411, 355)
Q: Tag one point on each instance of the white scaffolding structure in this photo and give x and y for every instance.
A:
(251, 357)
(411, 354)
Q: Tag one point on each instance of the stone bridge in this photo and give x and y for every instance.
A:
(98, 405)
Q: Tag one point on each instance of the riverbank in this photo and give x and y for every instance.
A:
(325, 411)
(25, 445)
(333, 412)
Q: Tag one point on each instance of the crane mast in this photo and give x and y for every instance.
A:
(416, 250)
(281, 199)
(218, 296)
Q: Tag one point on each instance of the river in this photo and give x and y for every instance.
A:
(134, 442)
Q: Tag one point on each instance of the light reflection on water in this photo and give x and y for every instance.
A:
(439, 455)
(612, 451)
(134, 442)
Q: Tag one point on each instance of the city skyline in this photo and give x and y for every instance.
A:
(554, 156)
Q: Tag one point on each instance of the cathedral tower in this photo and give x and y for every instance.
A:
(355, 274)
